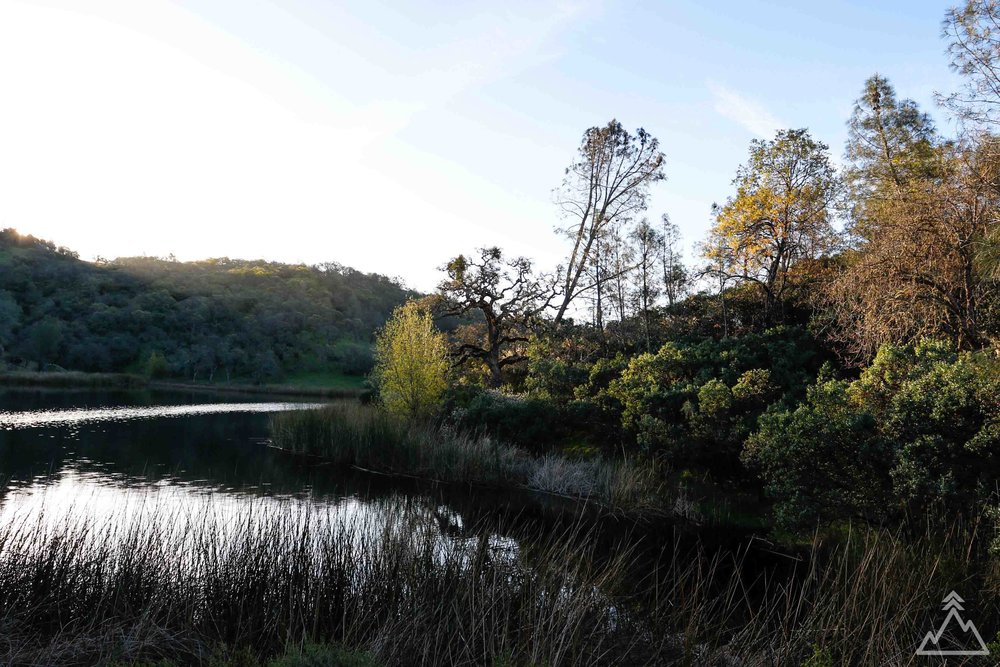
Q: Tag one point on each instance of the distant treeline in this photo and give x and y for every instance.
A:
(212, 319)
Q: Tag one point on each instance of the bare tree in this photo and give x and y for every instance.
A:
(973, 32)
(508, 295)
(675, 275)
(619, 260)
(607, 184)
(648, 243)
(602, 272)
(716, 274)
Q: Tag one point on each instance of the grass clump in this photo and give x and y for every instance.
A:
(350, 433)
(310, 655)
(385, 587)
(367, 437)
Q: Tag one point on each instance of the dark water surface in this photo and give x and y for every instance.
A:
(67, 455)
(154, 455)
(78, 442)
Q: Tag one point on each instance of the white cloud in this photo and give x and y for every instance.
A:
(748, 113)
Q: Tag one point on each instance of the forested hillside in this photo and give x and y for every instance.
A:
(212, 319)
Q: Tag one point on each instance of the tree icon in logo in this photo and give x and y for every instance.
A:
(955, 636)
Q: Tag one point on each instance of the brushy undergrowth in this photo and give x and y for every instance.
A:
(367, 437)
(367, 589)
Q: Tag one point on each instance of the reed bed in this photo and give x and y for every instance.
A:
(177, 586)
(134, 589)
(363, 436)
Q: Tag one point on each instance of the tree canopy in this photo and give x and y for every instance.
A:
(253, 320)
(781, 214)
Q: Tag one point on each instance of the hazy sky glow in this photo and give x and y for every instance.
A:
(391, 135)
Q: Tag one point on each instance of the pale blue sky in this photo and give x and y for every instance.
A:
(392, 135)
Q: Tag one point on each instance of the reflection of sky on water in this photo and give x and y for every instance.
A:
(77, 416)
(180, 516)
(185, 470)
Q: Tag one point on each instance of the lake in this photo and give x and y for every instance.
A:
(153, 455)
(188, 483)
(96, 453)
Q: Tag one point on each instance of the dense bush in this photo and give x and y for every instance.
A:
(917, 433)
(694, 403)
(823, 459)
(532, 423)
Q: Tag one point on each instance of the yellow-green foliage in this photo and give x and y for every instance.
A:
(411, 368)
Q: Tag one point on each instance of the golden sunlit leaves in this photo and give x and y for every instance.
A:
(780, 215)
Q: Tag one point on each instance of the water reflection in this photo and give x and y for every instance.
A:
(128, 459)
(16, 420)
(181, 470)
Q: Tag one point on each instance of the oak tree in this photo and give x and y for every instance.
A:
(506, 294)
(781, 214)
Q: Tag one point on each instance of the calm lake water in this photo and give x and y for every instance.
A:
(155, 455)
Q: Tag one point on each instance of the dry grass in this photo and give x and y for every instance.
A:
(178, 586)
(87, 592)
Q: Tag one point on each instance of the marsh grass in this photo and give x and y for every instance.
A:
(367, 437)
(174, 586)
(866, 599)
(131, 589)
(354, 434)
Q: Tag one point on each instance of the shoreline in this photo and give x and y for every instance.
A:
(268, 389)
(71, 380)
(131, 381)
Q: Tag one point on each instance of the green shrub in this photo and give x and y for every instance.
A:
(945, 420)
(917, 432)
(550, 376)
(821, 461)
(534, 424)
